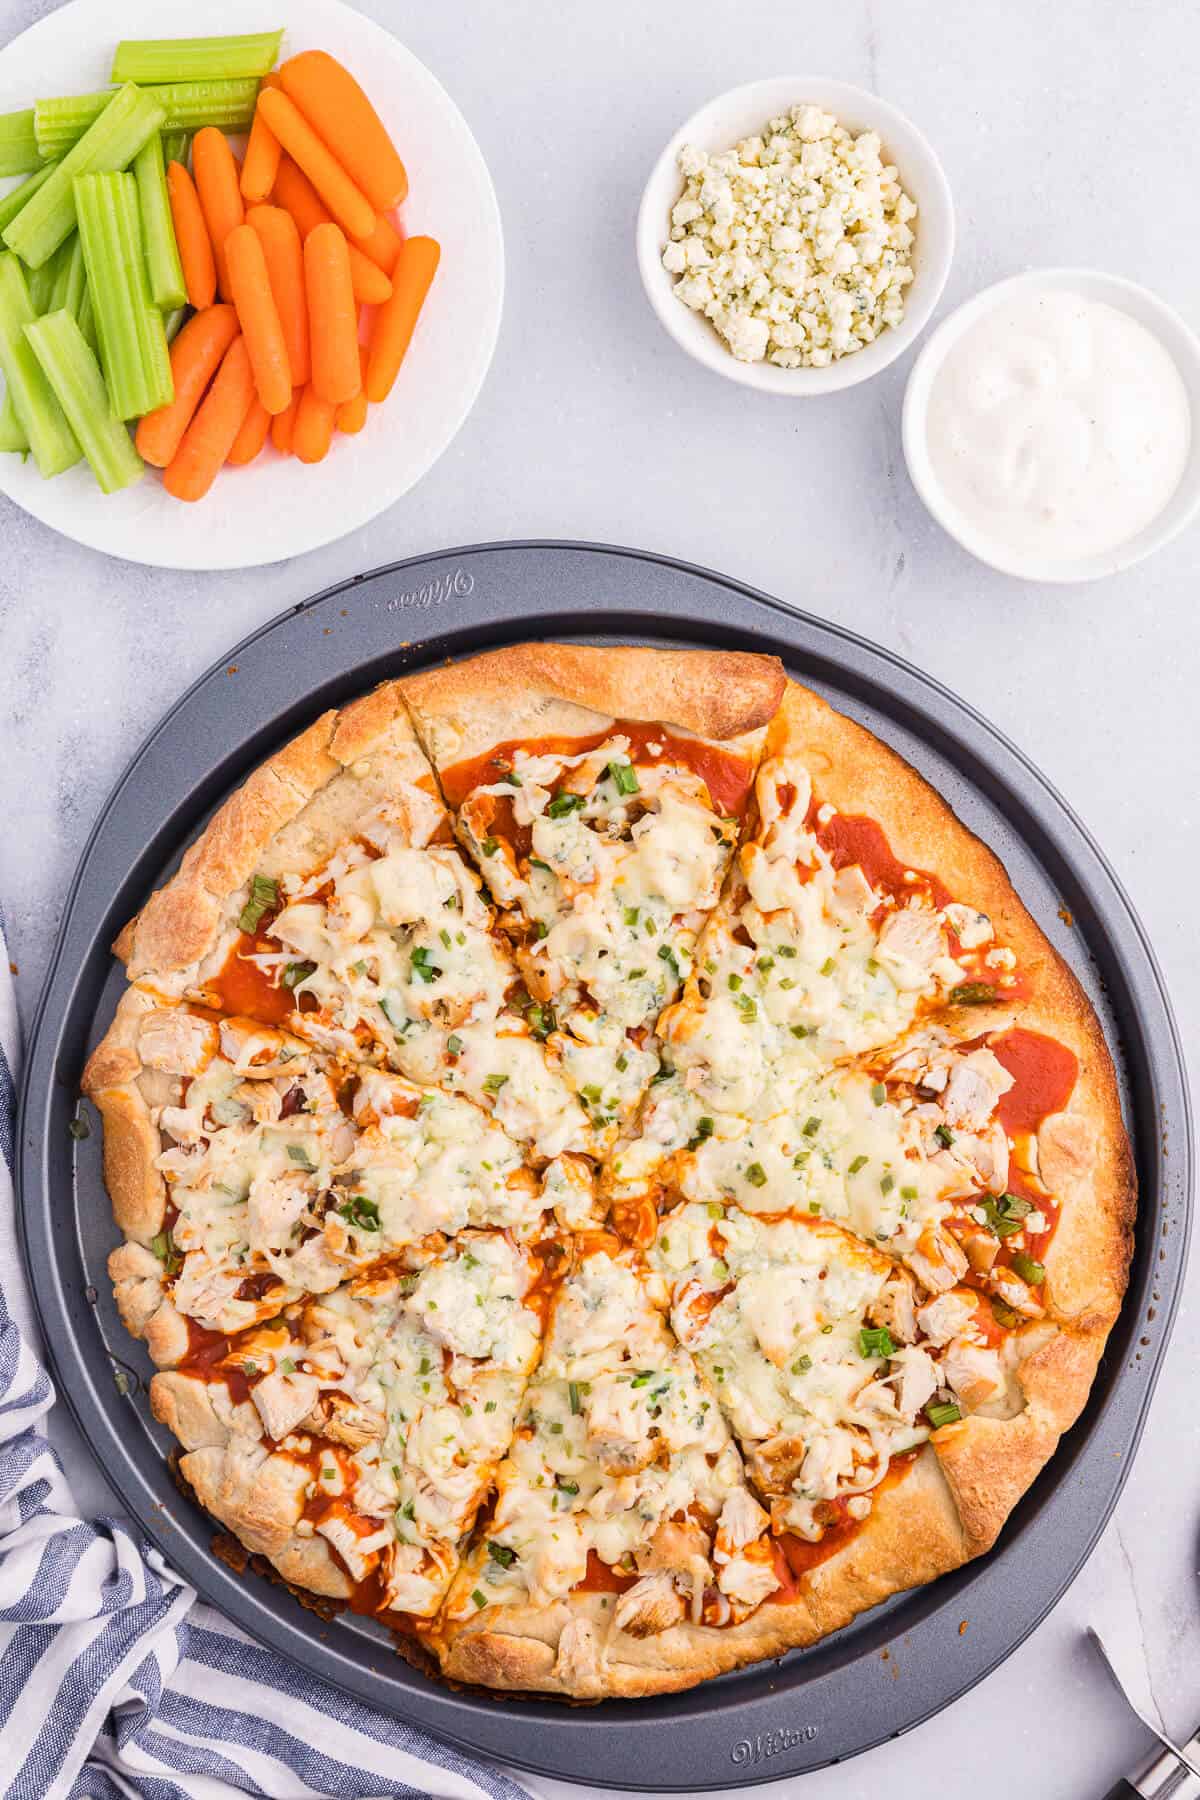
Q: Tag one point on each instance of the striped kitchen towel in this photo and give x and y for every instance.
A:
(114, 1679)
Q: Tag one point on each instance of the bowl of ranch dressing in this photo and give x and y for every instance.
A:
(1052, 424)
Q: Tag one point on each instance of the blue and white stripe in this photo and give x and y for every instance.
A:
(114, 1680)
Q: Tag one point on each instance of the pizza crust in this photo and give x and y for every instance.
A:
(575, 690)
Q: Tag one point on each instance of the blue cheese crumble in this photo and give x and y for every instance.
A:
(796, 243)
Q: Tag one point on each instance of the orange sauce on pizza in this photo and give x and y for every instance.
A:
(796, 1557)
(244, 990)
(602, 1578)
(726, 774)
(1044, 1074)
(852, 838)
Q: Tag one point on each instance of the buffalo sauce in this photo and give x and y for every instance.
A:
(726, 773)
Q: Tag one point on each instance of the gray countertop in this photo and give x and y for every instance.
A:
(1068, 136)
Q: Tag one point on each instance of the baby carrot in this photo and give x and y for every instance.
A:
(260, 165)
(191, 235)
(216, 172)
(312, 433)
(348, 204)
(284, 423)
(252, 434)
(195, 357)
(280, 239)
(332, 317)
(352, 414)
(212, 433)
(394, 321)
(338, 110)
(258, 317)
(297, 195)
(383, 245)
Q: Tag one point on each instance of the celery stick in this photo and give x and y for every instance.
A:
(42, 418)
(40, 284)
(12, 202)
(18, 144)
(187, 105)
(163, 267)
(12, 432)
(172, 322)
(70, 277)
(133, 345)
(176, 145)
(112, 142)
(87, 322)
(74, 374)
(195, 59)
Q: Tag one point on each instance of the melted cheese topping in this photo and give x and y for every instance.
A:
(812, 1343)
(620, 1451)
(428, 1372)
(617, 869)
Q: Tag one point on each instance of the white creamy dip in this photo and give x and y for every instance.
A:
(1058, 426)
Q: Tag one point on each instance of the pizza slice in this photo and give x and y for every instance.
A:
(247, 1169)
(328, 898)
(623, 1535)
(600, 792)
(352, 1438)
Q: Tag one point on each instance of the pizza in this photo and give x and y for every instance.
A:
(612, 1180)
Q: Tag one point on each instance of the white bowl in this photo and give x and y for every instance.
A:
(742, 112)
(1140, 304)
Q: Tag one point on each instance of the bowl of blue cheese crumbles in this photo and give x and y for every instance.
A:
(795, 235)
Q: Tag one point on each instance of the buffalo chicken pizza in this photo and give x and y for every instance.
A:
(613, 1181)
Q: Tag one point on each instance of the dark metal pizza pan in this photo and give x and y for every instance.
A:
(894, 1666)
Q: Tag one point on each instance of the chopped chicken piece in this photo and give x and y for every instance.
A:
(650, 1606)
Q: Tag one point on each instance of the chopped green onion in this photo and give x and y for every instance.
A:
(423, 966)
(500, 1553)
(110, 143)
(264, 898)
(74, 375)
(361, 1213)
(860, 1162)
(812, 1126)
(944, 1136)
(196, 59)
(296, 972)
(298, 1154)
(1005, 1213)
(747, 1005)
(828, 966)
(562, 804)
(623, 775)
(878, 1092)
(493, 1083)
(801, 1365)
(1028, 1268)
(489, 846)
(756, 1175)
(704, 1129)
(800, 1031)
(942, 1412)
(454, 1045)
(972, 993)
(876, 1340)
(163, 268)
(41, 417)
(478, 1598)
(163, 1246)
(573, 1396)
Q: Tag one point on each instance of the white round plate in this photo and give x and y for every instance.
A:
(278, 507)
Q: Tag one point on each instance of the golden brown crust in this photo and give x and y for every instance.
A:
(131, 1142)
(571, 690)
